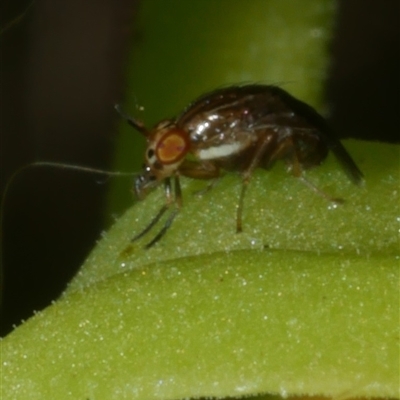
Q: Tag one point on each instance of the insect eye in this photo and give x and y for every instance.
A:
(151, 156)
(172, 146)
(150, 153)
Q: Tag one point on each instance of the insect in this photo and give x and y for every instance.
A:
(237, 128)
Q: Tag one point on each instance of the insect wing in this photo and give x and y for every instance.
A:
(316, 120)
(226, 122)
(348, 164)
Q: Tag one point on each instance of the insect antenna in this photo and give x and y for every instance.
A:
(70, 167)
(41, 164)
(136, 124)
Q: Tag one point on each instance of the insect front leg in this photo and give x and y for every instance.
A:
(161, 212)
(176, 201)
(201, 170)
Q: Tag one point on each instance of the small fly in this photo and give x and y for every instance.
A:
(237, 128)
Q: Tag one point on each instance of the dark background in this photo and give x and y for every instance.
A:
(62, 68)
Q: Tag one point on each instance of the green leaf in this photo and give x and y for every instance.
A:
(304, 301)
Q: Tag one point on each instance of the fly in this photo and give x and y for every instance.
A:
(237, 128)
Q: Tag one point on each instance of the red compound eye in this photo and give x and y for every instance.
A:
(172, 146)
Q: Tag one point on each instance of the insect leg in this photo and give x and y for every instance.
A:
(207, 188)
(240, 207)
(297, 171)
(174, 213)
(161, 212)
(318, 191)
(162, 232)
(201, 170)
(178, 191)
(261, 148)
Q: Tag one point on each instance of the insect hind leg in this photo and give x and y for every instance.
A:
(320, 192)
(298, 167)
(255, 161)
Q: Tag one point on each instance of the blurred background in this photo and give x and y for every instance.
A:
(62, 70)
